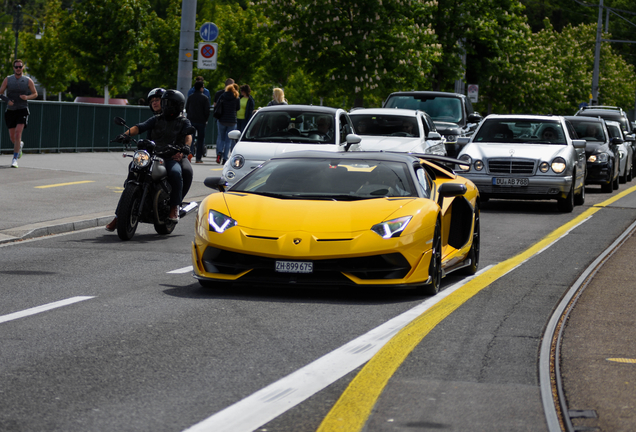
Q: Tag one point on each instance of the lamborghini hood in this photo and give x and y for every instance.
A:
(275, 215)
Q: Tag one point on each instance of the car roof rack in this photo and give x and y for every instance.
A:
(608, 107)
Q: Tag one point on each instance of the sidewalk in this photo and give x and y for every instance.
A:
(62, 192)
(598, 353)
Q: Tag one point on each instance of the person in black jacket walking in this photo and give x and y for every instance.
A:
(198, 110)
(227, 122)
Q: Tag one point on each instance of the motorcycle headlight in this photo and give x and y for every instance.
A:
(392, 228)
(141, 158)
(237, 162)
(219, 222)
(558, 165)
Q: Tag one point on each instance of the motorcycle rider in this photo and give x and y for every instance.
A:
(168, 128)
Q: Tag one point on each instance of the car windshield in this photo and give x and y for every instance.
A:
(591, 131)
(329, 178)
(385, 125)
(531, 131)
(291, 125)
(440, 108)
(614, 131)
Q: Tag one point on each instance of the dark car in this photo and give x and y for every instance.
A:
(601, 151)
(452, 113)
(608, 113)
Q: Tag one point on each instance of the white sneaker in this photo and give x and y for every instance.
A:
(21, 145)
(14, 163)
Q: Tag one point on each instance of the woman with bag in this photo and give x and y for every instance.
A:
(230, 104)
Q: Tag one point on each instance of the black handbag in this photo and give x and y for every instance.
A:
(218, 110)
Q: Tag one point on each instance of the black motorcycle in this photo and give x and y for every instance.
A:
(146, 195)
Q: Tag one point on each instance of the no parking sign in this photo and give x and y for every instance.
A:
(207, 55)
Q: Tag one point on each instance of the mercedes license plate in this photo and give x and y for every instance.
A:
(294, 267)
(506, 181)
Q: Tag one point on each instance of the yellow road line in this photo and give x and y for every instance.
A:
(352, 409)
(64, 184)
(621, 360)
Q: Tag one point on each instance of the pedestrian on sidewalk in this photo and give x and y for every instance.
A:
(219, 136)
(198, 111)
(20, 89)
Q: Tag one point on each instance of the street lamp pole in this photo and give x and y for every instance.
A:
(597, 55)
(17, 26)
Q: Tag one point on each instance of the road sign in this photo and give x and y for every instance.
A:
(207, 55)
(209, 32)
(473, 92)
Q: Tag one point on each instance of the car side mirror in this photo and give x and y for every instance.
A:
(630, 138)
(449, 190)
(463, 140)
(351, 140)
(616, 141)
(578, 143)
(434, 136)
(217, 183)
(475, 118)
(234, 135)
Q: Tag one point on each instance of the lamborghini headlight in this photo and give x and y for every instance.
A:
(141, 158)
(219, 222)
(392, 228)
(558, 165)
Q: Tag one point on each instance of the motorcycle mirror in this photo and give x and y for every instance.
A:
(120, 121)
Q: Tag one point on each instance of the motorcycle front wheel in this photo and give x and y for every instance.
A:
(128, 212)
(163, 225)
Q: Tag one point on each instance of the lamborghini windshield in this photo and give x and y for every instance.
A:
(530, 131)
(329, 178)
(291, 125)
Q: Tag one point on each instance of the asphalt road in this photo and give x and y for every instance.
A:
(139, 348)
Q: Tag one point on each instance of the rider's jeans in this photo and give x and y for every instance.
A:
(175, 177)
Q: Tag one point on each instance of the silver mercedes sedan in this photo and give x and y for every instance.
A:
(526, 157)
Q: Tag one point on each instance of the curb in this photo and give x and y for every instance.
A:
(59, 226)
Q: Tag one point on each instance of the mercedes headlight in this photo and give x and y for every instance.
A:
(219, 222)
(468, 160)
(392, 228)
(141, 158)
(558, 165)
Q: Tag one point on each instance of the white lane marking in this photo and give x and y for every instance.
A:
(182, 270)
(273, 400)
(43, 308)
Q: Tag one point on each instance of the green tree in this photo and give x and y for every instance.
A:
(359, 48)
(49, 60)
(107, 38)
(159, 61)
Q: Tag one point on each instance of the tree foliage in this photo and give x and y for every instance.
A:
(48, 58)
(359, 47)
(106, 38)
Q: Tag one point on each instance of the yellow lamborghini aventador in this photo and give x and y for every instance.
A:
(336, 219)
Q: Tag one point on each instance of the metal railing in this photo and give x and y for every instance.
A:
(79, 127)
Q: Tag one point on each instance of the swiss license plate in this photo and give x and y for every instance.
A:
(294, 267)
(508, 181)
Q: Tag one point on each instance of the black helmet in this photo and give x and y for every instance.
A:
(155, 93)
(172, 103)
